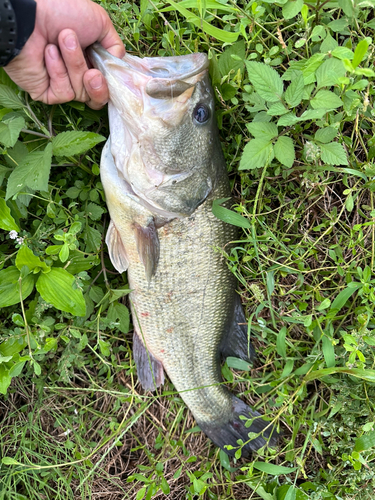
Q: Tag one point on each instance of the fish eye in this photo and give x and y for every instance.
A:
(201, 113)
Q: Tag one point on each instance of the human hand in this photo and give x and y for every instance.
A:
(52, 67)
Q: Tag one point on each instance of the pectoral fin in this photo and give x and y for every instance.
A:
(116, 249)
(236, 342)
(148, 247)
(150, 371)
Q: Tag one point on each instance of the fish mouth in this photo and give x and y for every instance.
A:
(161, 77)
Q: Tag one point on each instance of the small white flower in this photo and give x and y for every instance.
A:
(20, 240)
(13, 234)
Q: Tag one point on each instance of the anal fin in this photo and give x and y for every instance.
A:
(150, 371)
(116, 249)
(236, 342)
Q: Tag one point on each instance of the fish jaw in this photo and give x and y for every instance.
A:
(166, 157)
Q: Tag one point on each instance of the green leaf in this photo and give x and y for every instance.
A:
(79, 262)
(284, 151)
(93, 239)
(292, 8)
(227, 91)
(256, 154)
(270, 282)
(16, 154)
(119, 312)
(280, 342)
(33, 171)
(347, 6)
(328, 351)
(368, 375)
(266, 81)
(277, 109)
(165, 486)
(25, 257)
(259, 490)
(226, 62)
(94, 211)
(340, 26)
(326, 99)
(12, 346)
(294, 93)
(9, 461)
(5, 359)
(74, 143)
(37, 368)
(324, 305)
(9, 98)
(274, 470)
(10, 289)
(343, 53)
(291, 493)
(6, 220)
(10, 129)
(330, 72)
(310, 67)
(349, 202)
(288, 120)
(209, 4)
(141, 493)
(312, 114)
(262, 130)
(333, 153)
(328, 44)
(5, 380)
(342, 299)
(64, 252)
(360, 52)
(365, 442)
(56, 287)
(283, 491)
(238, 364)
(325, 135)
(3, 172)
(287, 368)
(104, 348)
(222, 35)
(229, 216)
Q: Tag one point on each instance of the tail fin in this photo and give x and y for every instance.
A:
(229, 432)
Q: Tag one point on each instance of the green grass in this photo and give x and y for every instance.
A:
(75, 423)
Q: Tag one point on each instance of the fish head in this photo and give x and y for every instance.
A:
(163, 130)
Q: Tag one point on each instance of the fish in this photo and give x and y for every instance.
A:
(161, 169)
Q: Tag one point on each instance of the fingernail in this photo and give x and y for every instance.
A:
(96, 82)
(70, 42)
(53, 52)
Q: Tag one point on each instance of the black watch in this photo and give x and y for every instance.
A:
(17, 21)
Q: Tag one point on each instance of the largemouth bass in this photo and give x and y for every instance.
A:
(161, 169)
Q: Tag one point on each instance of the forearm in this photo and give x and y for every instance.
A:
(17, 21)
